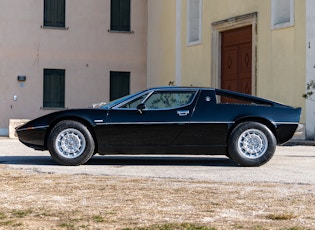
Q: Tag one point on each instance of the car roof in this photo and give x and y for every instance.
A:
(235, 94)
(179, 88)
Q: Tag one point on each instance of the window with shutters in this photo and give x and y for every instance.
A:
(119, 84)
(54, 13)
(54, 88)
(120, 15)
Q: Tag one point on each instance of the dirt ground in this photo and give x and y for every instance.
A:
(31, 200)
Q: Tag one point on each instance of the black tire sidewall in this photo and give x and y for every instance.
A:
(89, 148)
(238, 157)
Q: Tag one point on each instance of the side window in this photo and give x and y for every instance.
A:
(134, 103)
(167, 100)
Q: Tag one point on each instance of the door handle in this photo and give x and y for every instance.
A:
(182, 113)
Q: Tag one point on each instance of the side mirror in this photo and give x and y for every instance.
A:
(140, 108)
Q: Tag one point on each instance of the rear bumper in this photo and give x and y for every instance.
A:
(285, 132)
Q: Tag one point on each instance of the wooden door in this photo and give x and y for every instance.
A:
(236, 62)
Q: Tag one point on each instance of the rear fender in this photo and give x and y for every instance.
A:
(261, 120)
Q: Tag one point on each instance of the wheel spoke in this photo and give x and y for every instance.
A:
(252, 143)
(70, 143)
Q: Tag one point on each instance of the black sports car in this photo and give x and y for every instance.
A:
(167, 120)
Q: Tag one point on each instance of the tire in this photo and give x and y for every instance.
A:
(251, 144)
(70, 143)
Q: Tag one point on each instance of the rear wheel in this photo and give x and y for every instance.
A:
(251, 144)
(70, 143)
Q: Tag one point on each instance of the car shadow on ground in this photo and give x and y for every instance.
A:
(27, 160)
(123, 160)
(162, 161)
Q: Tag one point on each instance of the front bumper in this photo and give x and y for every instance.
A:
(33, 137)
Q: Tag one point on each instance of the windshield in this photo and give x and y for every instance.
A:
(120, 100)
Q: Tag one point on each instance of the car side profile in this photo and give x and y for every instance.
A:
(167, 120)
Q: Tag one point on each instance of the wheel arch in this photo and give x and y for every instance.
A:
(82, 120)
(260, 120)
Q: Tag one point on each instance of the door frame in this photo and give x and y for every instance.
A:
(228, 24)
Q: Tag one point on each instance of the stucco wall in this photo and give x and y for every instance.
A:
(161, 42)
(281, 64)
(86, 50)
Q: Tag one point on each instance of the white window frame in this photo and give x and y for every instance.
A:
(191, 42)
(275, 11)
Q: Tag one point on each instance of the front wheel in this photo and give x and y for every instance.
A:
(70, 143)
(251, 144)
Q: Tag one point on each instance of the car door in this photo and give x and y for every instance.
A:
(154, 119)
(209, 124)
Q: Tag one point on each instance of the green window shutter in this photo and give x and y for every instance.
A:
(54, 88)
(54, 13)
(120, 15)
(119, 84)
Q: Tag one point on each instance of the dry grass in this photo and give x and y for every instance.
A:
(281, 216)
(46, 201)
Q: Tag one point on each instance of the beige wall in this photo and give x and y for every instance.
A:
(86, 50)
(161, 42)
(280, 56)
(281, 64)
